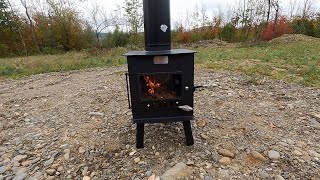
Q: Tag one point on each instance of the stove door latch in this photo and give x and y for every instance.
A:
(186, 108)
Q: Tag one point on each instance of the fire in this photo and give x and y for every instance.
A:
(152, 84)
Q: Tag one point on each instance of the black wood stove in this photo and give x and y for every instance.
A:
(160, 80)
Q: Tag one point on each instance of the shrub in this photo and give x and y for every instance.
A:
(228, 32)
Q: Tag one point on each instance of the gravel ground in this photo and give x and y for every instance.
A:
(76, 125)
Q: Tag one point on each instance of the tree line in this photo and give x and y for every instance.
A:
(54, 26)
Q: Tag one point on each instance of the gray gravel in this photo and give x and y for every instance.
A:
(76, 124)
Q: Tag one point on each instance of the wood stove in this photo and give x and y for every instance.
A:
(160, 80)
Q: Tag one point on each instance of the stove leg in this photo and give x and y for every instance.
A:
(188, 132)
(140, 135)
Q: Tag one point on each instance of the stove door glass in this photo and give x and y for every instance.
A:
(160, 86)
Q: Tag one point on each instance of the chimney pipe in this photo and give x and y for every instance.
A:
(157, 27)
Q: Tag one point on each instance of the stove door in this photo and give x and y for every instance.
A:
(160, 86)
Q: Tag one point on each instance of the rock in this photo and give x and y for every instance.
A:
(297, 153)
(177, 170)
(274, 155)
(190, 163)
(314, 153)
(21, 176)
(35, 160)
(60, 168)
(264, 175)
(2, 169)
(278, 177)
(26, 163)
(137, 160)
(86, 178)
(96, 114)
(157, 154)
(36, 176)
(19, 158)
(48, 162)
(203, 136)
(207, 178)
(82, 150)
(226, 153)
(66, 156)
(201, 123)
(148, 173)
(50, 178)
(225, 161)
(22, 170)
(132, 153)
(51, 172)
(258, 156)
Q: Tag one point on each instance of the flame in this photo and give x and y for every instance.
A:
(152, 84)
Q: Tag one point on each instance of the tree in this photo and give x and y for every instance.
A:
(4, 14)
(204, 16)
(133, 9)
(31, 25)
(98, 19)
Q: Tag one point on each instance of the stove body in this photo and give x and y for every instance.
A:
(160, 80)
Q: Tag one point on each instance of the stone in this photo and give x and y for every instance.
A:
(201, 123)
(314, 153)
(226, 153)
(203, 136)
(190, 163)
(21, 176)
(208, 178)
(51, 172)
(291, 142)
(96, 114)
(48, 162)
(19, 158)
(82, 150)
(258, 156)
(60, 168)
(278, 177)
(66, 156)
(225, 161)
(37, 176)
(50, 178)
(157, 154)
(137, 160)
(297, 153)
(35, 160)
(148, 173)
(274, 155)
(175, 171)
(86, 178)
(2, 169)
(22, 170)
(26, 163)
(264, 175)
(132, 153)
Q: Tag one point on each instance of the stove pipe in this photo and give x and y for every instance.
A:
(157, 28)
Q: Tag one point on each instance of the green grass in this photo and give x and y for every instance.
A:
(293, 62)
(25, 66)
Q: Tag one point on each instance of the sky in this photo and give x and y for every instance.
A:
(179, 7)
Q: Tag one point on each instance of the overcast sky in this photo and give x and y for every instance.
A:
(179, 7)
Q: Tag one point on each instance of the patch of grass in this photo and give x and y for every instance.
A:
(293, 62)
(297, 62)
(25, 66)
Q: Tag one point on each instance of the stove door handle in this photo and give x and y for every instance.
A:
(128, 91)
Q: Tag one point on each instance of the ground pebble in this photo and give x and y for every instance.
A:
(278, 177)
(274, 155)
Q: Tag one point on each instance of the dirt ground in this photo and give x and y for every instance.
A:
(76, 125)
